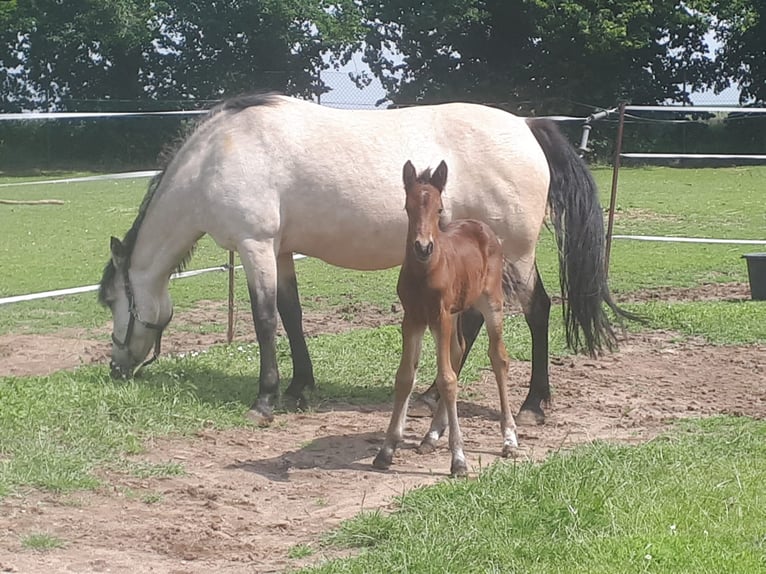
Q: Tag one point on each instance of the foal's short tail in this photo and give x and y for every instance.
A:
(579, 226)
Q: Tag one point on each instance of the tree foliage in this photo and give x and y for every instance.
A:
(741, 30)
(538, 54)
(59, 54)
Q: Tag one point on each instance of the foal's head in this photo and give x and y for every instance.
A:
(424, 207)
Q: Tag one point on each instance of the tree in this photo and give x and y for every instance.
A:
(741, 29)
(61, 54)
(538, 55)
(80, 49)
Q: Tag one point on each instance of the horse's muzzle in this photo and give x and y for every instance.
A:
(120, 372)
(423, 250)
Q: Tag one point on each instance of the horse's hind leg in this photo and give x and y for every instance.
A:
(492, 309)
(536, 305)
(289, 306)
(412, 338)
(260, 263)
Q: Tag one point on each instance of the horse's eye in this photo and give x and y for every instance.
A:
(441, 209)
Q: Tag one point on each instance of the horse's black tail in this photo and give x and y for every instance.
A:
(579, 226)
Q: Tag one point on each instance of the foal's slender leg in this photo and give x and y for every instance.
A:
(469, 326)
(289, 306)
(260, 263)
(412, 339)
(446, 380)
(440, 420)
(536, 305)
(492, 308)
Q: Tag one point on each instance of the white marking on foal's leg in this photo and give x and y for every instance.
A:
(510, 441)
(436, 431)
(459, 466)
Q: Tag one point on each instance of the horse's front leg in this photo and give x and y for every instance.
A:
(446, 381)
(440, 420)
(260, 264)
(469, 325)
(289, 306)
(412, 339)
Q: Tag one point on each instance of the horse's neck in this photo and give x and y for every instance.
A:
(165, 237)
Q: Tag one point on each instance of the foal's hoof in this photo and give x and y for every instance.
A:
(510, 451)
(426, 447)
(382, 460)
(422, 407)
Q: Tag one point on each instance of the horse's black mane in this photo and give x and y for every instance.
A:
(234, 104)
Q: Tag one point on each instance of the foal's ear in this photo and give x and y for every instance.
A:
(439, 177)
(409, 175)
(118, 251)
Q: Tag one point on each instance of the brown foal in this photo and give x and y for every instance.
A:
(446, 270)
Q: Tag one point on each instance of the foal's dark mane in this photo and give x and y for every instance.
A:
(425, 176)
(231, 105)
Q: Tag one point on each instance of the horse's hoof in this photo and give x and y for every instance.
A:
(459, 469)
(260, 418)
(382, 460)
(295, 403)
(423, 406)
(530, 416)
(298, 385)
(426, 447)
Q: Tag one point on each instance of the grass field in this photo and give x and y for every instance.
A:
(696, 493)
(685, 502)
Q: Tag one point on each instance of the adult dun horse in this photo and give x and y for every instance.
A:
(268, 176)
(446, 271)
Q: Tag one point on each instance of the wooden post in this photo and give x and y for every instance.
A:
(613, 196)
(230, 330)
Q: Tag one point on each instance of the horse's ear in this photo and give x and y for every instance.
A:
(118, 251)
(409, 175)
(439, 177)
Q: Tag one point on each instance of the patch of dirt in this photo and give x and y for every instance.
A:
(252, 495)
(22, 355)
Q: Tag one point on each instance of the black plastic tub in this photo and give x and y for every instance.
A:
(756, 273)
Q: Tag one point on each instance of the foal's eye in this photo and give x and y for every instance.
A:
(441, 209)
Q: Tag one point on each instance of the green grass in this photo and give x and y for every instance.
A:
(41, 542)
(691, 501)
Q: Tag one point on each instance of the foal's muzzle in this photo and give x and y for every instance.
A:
(423, 250)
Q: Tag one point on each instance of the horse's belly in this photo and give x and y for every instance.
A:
(363, 248)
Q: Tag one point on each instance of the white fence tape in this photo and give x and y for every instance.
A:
(691, 239)
(690, 156)
(25, 116)
(692, 109)
(87, 288)
(103, 177)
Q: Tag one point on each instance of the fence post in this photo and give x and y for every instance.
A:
(230, 329)
(613, 195)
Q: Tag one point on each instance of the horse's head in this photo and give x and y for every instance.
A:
(139, 316)
(424, 207)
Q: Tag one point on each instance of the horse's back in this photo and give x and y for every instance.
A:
(327, 181)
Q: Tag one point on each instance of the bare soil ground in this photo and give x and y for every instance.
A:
(250, 496)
